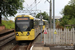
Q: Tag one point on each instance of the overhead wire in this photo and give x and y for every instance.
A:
(45, 1)
(31, 5)
(26, 4)
(36, 4)
(27, 7)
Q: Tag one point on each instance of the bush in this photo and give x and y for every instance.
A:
(8, 24)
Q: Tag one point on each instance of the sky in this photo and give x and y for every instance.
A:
(43, 5)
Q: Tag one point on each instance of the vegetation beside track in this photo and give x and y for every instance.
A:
(68, 13)
(8, 24)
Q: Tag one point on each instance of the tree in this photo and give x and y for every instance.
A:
(72, 2)
(72, 21)
(68, 14)
(64, 21)
(44, 14)
(69, 11)
(9, 7)
(57, 23)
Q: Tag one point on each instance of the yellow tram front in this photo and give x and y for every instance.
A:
(24, 28)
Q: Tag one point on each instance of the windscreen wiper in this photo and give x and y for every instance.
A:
(20, 29)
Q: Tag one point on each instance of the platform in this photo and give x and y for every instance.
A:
(39, 46)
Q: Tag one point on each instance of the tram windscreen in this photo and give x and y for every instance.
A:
(22, 25)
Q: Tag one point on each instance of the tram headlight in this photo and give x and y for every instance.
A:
(28, 33)
(17, 34)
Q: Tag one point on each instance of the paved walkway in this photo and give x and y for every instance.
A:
(40, 48)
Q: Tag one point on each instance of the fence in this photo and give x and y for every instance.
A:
(65, 36)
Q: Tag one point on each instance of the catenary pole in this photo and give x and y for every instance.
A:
(54, 19)
(50, 19)
(50, 13)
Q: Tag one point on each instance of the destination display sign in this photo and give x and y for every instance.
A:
(22, 18)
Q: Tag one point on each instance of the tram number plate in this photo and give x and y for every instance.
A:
(22, 34)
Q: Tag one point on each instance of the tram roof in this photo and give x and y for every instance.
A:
(36, 18)
(31, 17)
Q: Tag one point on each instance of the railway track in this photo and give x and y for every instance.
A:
(26, 45)
(23, 46)
(6, 36)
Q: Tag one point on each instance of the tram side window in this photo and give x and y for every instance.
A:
(36, 23)
(43, 23)
(32, 24)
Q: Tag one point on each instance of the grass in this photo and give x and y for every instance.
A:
(8, 24)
